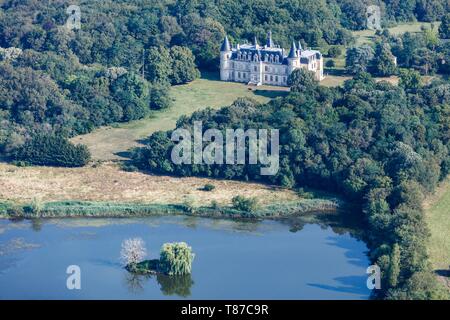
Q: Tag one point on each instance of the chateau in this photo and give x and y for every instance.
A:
(268, 64)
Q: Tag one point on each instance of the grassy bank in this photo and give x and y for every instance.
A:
(112, 142)
(438, 219)
(108, 209)
(107, 183)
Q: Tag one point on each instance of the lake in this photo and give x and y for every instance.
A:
(307, 258)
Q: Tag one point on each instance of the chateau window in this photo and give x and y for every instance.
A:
(239, 74)
(265, 77)
(284, 79)
(271, 78)
(255, 68)
(266, 68)
(276, 78)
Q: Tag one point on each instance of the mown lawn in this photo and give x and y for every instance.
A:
(438, 219)
(112, 142)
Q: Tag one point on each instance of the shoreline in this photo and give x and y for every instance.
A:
(89, 209)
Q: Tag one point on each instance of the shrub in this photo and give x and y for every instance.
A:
(34, 208)
(176, 258)
(330, 64)
(160, 97)
(245, 204)
(53, 150)
(304, 194)
(188, 206)
(208, 187)
(15, 211)
(215, 205)
(334, 52)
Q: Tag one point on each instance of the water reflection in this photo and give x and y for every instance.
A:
(302, 256)
(175, 285)
(135, 283)
(169, 285)
(348, 284)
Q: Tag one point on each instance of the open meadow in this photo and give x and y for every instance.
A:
(111, 142)
(106, 182)
(438, 218)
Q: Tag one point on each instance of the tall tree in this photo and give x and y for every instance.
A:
(444, 28)
(184, 69)
(385, 62)
(158, 67)
(358, 59)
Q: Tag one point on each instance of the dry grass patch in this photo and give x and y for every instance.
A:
(106, 182)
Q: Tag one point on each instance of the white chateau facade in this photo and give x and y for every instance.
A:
(268, 64)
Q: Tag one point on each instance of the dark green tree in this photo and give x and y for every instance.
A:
(301, 80)
(444, 28)
(358, 59)
(132, 92)
(52, 150)
(384, 62)
(158, 66)
(160, 97)
(410, 79)
(184, 69)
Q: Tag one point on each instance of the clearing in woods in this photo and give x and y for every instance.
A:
(112, 142)
(437, 214)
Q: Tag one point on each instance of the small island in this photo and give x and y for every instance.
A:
(175, 258)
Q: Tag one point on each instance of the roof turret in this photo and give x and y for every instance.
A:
(225, 45)
(269, 40)
(293, 52)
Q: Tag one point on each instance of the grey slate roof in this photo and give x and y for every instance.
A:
(225, 45)
(293, 52)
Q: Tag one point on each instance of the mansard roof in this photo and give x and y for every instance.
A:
(271, 54)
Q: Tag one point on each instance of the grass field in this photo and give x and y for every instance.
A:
(367, 36)
(106, 182)
(110, 143)
(438, 218)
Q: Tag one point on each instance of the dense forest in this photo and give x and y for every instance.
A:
(381, 145)
(120, 65)
(427, 52)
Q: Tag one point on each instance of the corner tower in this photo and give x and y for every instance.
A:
(292, 58)
(225, 57)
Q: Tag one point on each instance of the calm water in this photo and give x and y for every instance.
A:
(234, 260)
